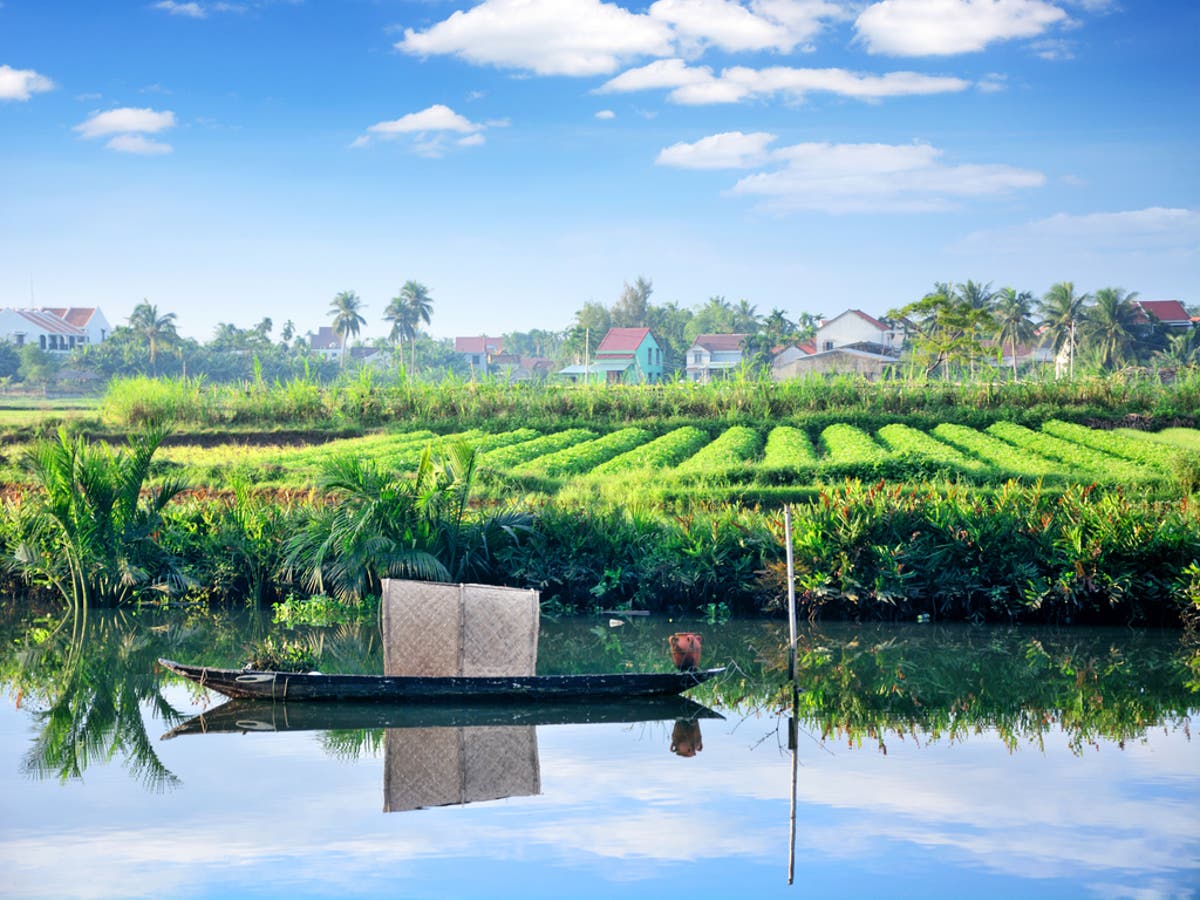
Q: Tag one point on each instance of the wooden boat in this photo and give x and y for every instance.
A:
(249, 684)
(242, 716)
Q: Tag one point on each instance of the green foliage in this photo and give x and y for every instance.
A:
(87, 531)
(378, 523)
(281, 655)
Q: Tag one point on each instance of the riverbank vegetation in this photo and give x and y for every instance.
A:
(1022, 502)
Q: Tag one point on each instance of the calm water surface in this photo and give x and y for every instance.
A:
(928, 761)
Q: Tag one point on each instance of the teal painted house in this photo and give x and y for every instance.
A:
(625, 356)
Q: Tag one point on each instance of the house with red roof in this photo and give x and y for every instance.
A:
(714, 356)
(625, 356)
(1171, 314)
(55, 330)
(479, 352)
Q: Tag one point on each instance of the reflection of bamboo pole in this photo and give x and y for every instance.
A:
(793, 729)
(791, 577)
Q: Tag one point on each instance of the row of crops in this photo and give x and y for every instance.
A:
(1058, 452)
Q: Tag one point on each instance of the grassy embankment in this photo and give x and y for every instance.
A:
(979, 501)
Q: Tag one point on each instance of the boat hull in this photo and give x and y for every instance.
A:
(286, 686)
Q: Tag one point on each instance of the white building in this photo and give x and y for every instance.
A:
(855, 329)
(54, 329)
(714, 356)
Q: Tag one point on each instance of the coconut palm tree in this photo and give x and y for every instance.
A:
(347, 318)
(1062, 310)
(1014, 320)
(418, 306)
(1111, 326)
(156, 329)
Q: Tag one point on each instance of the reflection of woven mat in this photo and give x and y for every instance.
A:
(435, 629)
(445, 766)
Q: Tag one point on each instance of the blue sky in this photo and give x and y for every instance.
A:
(234, 160)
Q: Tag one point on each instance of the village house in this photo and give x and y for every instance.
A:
(1171, 314)
(625, 356)
(479, 352)
(714, 356)
(326, 343)
(54, 329)
(857, 330)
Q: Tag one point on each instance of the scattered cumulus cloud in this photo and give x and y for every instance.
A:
(847, 178)
(195, 10)
(21, 84)
(126, 120)
(606, 114)
(593, 37)
(431, 130)
(947, 27)
(699, 85)
(1154, 229)
(729, 150)
(548, 37)
(138, 144)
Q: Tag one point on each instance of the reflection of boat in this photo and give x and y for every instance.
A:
(268, 685)
(255, 715)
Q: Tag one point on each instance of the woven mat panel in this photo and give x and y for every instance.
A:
(500, 762)
(422, 628)
(433, 629)
(500, 631)
(448, 766)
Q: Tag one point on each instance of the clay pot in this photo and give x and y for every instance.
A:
(685, 650)
(685, 738)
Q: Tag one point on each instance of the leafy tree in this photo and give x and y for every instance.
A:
(592, 322)
(631, 310)
(746, 319)
(1062, 310)
(1014, 320)
(10, 359)
(1110, 326)
(155, 329)
(1182, 349)
(36, 366)
(346, 311)
(716, 316)
(670, 324)
(945, 328)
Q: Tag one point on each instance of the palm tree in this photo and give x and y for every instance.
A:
(978, 302)
(1061, 312)
(346, 318)
(1014, 320)
(156, 329)
(406, 311)
(1111, 326)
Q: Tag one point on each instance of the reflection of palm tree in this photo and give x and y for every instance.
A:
(95, 675)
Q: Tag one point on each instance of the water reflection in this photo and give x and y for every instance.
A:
(447, 755)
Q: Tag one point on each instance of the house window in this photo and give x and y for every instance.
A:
(42, 340)
(827, 346)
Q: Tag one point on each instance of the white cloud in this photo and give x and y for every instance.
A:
(21, 84)
(549, 37)
(190, 10)
(698, 85)
(436, 118)
(1155, 228)
(730, 150)
(606, 114)
(842, 178)
(139, 144)
(945, 27)
(126, 120)
(430, 130)
(722, 23)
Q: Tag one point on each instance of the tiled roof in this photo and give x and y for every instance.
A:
(478, 344)
(78, 316)
(622, 339)
(325, 339)
(717, 343)
(48, 323)
(1164, 310)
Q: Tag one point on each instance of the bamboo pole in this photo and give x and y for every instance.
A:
(791, 577)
